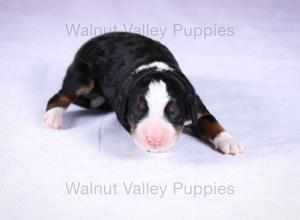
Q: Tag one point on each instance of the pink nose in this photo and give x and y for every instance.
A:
(154, 141)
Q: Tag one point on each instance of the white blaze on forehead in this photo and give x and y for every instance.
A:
(157, 98)
(155, 133)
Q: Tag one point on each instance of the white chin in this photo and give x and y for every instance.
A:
(153, 149)
(157, 150)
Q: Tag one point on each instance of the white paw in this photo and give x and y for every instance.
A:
(227, 144)
(54, 117)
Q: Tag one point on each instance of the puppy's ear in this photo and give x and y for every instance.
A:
(191, 101)
(121, 108)
(193, 109)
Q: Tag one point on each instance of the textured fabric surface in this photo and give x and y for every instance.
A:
(250, 81)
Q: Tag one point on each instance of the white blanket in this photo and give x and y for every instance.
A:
(249, 81)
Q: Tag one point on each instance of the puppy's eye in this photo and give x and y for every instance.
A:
(141, 105)
(171, 108)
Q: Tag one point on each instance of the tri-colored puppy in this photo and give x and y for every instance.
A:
(141, 81)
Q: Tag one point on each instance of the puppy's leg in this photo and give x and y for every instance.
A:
(75, 84)
(212, 131)
(209, 130)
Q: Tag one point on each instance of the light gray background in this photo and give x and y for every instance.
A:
(249, 81)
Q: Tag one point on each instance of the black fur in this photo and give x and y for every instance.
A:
(110, 60)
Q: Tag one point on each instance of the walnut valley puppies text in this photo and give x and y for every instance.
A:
(157, 31)
(149, 189)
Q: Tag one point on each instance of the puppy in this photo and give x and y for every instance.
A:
(141, 81)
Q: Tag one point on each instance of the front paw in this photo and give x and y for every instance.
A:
(54, 117)
(227, 144)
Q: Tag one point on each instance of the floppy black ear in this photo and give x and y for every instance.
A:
(121, 108)
(193, 110)
(196, 107)
(192, 99)
(193, 102)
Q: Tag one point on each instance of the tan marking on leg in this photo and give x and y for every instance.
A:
(85, 89)
(64, 100)
(61, 101)
(209, 129)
